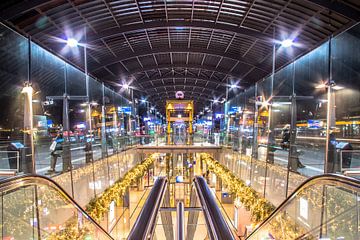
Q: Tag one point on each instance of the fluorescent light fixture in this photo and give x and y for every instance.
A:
(287, 43)
(72, 42)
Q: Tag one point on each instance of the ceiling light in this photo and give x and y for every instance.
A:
(125, 85)
(71, 42)
(287, 43)
(233, 86)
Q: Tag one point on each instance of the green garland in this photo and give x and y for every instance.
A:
(99, 206)
(259, 207)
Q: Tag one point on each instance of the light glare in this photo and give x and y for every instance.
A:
(287, 43)
(71, 42)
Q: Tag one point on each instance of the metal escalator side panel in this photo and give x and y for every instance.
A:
(218, 228)
(145, 223)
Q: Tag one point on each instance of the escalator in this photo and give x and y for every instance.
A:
(323, 207)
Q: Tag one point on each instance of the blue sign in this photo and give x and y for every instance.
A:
(314, 124)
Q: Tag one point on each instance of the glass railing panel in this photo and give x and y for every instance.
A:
(58, 217)
(36, 208)
(18, 214)
(321, 209)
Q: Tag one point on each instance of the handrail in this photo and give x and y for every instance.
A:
(145, 223)
(333, 179)
(180, 221)
(217, 226)
(12, 183)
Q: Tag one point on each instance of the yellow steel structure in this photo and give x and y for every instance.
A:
(186, 106)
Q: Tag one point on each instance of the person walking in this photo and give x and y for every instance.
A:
(56, 151)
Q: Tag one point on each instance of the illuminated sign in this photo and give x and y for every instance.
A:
(179, 94)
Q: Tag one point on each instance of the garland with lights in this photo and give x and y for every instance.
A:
(339, 204)
(99, 206)
(259, 207)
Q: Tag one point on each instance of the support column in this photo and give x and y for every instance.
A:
(140, 183)
(103, 133)
(27, 165)
(66, 144)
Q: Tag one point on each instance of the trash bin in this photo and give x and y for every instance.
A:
(15, 155)
(343, 155)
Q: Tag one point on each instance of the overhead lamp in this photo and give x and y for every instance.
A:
(125, 86)
(233, 86)
(287, 43)
(216, 100)
(72, 42)
(143, 100)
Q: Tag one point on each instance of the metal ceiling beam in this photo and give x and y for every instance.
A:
(199, 78)
(172, 66)
(338, 7)
(21, 8)
(213, 52)
(185, 91)
(180, 87)
(115, 31)
(199, 99)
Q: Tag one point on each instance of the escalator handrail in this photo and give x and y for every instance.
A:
(144, 224)
(217, 226)
(12, 183)
(339, 180)
(180, 235)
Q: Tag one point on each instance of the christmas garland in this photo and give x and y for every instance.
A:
(259, 207)
(99, 206)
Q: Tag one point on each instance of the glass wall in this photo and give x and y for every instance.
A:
(302, 121)
(54, 118)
